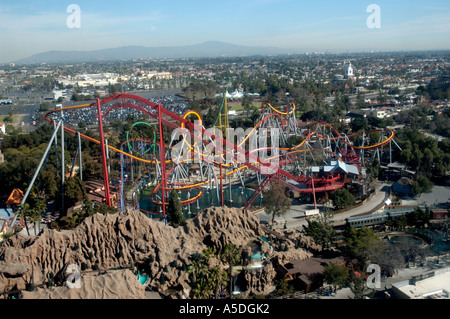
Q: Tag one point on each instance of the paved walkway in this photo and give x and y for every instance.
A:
(381, 192)
(294, 217)
(440, 194)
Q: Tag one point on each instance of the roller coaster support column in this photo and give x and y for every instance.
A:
(102, 146)
(63, 164)
(36, 173)
(81, 156)
(221, 176)
(56, 148)
(314, 194)
(122, 203)
(107, 155)
(163, 162)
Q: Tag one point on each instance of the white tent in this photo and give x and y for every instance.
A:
(237, 95)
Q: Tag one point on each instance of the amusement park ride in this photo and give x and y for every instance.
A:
(198, 159)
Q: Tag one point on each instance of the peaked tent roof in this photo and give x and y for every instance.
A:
(15, 198)
(237, 94)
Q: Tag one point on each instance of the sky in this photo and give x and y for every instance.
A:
(28, 27)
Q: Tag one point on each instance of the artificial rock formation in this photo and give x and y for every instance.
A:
(115, 284)
(120, 241)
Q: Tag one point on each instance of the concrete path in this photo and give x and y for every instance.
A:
(294, 216)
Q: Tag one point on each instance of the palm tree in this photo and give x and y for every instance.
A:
(39, 207)
(201, 288)
(206, 282)
(232, 255)
(217, 279)
(199, 270)
(24, 211)
(32, 212)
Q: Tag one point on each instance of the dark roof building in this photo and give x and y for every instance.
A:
(307, 273)
(403, 186)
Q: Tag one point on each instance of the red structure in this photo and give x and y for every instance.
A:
(166, 118)
(163, 159)
(102, 146)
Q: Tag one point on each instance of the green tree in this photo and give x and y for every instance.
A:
(362, 243)
(25, 213)
(217, 279)
(50, 181)
(31, 212)
(401, 222)
(39, 207)
(275, 200)
(206, 282)
(359, 124)
(342, 198)
(231, 255)
(423, 154)
(382, 97)
(321, 229)
(374, 168)
(419, 216)
(92, 170)
(357, 287)
(174, 212)
(74, 191)
(284, 288)
(247, 103)
(421, 185)
(45, 106)
(336, 275)
(198, 267)
(9, 118)
(361, 99)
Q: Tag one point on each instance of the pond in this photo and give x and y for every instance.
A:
(435, 241)
(210, 197)
(407, 240)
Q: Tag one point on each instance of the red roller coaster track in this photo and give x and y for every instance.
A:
(174, 121)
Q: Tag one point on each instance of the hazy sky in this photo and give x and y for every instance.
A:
(34, 26)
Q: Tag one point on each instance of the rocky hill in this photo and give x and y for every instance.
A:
(109, 246)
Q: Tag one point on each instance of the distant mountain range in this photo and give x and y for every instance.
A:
(203, 50)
